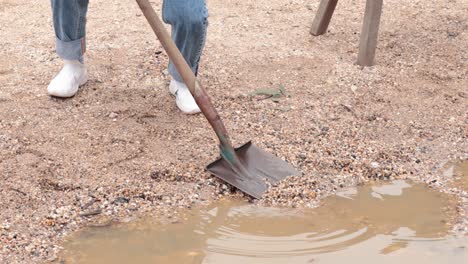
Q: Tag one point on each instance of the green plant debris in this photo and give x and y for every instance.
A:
(271, 93)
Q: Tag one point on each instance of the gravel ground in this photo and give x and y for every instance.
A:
(120, 148)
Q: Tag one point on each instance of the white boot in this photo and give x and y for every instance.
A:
(184, 98)
(68, 80)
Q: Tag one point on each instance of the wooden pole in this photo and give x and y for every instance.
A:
(369, 33)
(323, 17)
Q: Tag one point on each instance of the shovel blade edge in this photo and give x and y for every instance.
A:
(260, 166)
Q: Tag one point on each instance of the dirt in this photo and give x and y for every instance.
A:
(121, 149)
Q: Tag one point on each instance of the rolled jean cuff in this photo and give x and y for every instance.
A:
(71, 50)
(175, 74)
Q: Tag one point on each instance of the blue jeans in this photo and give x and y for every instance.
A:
(188, 20)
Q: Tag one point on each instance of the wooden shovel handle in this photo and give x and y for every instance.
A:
(196, 89)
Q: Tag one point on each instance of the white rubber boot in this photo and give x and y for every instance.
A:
(184, 98)
(68, 80)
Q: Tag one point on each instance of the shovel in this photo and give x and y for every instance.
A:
(248, 168)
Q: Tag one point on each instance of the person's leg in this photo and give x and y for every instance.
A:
(69, 18)
(189, 22)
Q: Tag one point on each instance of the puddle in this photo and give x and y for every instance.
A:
(391, 223)
(459, 170)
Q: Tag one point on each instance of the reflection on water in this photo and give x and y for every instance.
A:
(459, 170)
(390, 223)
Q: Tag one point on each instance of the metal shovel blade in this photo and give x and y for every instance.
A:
(260, 167)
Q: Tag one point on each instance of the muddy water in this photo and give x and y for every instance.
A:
(392, 223)
(460, 171)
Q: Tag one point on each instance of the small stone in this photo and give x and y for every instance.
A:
(121, 200)
(5, 226)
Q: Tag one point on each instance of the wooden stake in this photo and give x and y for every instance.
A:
(369, 33)
(323, 17)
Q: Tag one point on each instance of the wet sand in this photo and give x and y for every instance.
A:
(395, 222)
